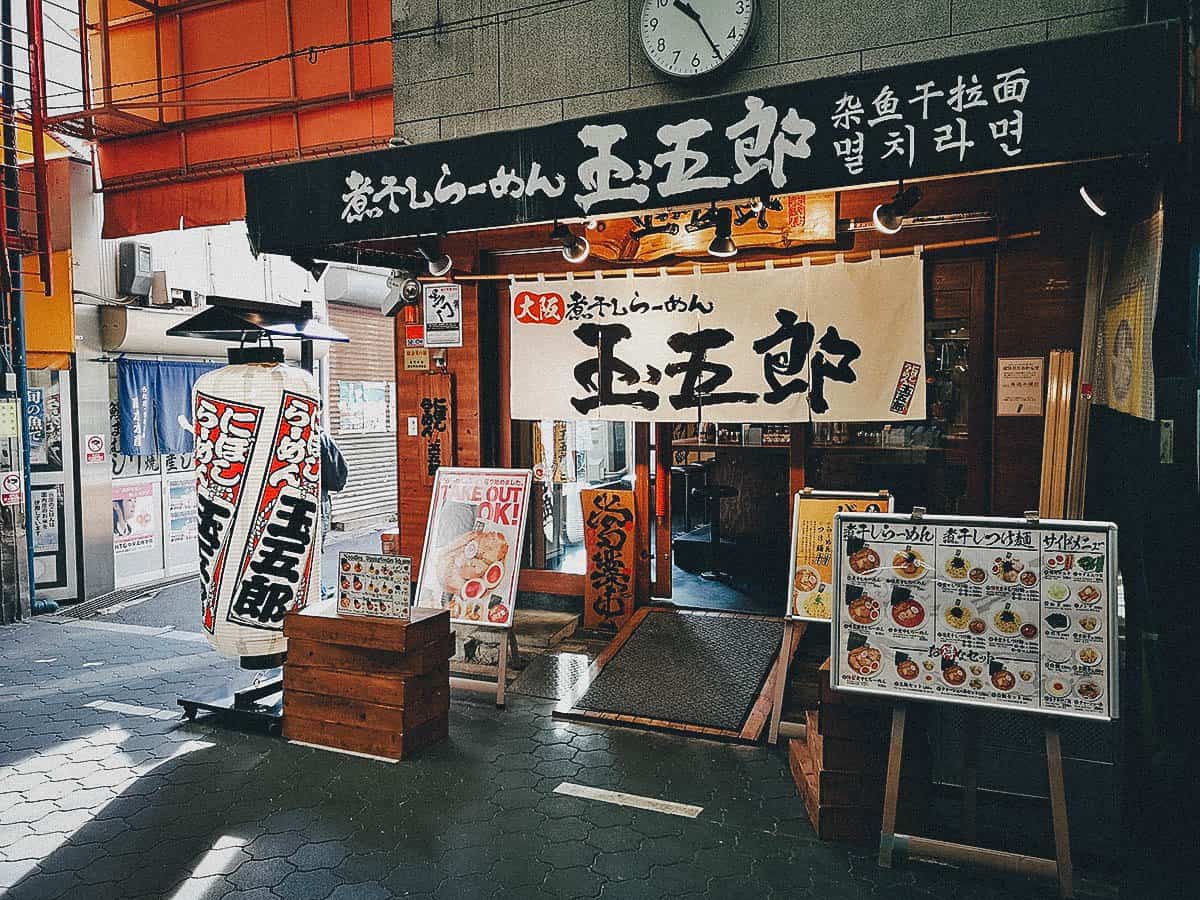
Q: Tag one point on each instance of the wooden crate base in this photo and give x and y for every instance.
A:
(388, 744)
(831, 822)
(356, 713)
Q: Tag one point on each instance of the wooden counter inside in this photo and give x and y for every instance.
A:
(369, 685)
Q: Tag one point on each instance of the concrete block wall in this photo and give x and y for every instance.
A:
(520, 63)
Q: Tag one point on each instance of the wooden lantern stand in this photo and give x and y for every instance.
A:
(891, 843)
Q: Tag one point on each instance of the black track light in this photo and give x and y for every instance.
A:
(575, 248)
(889, 217)
(436, 262)
(722, 245)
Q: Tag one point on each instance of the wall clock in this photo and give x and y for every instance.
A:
(691, 38)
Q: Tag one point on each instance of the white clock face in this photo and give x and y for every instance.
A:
(687, 38)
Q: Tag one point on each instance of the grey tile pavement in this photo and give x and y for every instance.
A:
(98, 803)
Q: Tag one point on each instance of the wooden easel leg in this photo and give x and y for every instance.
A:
(502, 672)
(781, 672)
(1058, 809)
(891, 793)
(971, 777)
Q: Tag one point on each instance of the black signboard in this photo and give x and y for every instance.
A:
(1108, 94)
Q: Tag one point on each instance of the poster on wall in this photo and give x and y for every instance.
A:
(1004, 613)
(810, 579)
(443, 315)
(611, 542)
(834, 343)
(365, 407)
(372, 584)
(181, 512)
(49, 552)
(1019, 385)
(135, 518)
(472, 552)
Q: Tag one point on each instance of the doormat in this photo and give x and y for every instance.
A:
(551, 676)
(697, 672)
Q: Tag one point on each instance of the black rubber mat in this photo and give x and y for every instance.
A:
(690, 668)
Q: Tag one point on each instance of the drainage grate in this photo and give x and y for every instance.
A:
(97, 605)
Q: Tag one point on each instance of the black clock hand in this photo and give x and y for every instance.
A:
(690, 11)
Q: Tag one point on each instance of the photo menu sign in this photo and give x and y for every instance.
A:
(1008, 613)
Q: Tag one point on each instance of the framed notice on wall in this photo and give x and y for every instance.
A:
(810, 578)
(1019, 386)
(1007, 613)
(472, 552)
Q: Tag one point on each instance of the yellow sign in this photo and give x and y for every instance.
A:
(416, 359)
(810, 582)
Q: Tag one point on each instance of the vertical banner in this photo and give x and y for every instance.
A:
(832, 343)
(810, 591)
(472, 551)
(258, 476)
(436, 423)
(611, 543)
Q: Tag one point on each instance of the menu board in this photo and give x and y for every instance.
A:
(1007, 613)
(371, 584)
(810, 578)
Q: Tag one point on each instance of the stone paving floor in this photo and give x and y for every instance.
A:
(106, 793)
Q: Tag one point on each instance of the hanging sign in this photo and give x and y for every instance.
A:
(1019, 385)
(443, 315)
(95, 449)
(1017, 106)
(472, 551)
(610, 539)
(436, 423)
(810, 580)
(986, 612)
(11, 493)
(840, 342)
(371, 584)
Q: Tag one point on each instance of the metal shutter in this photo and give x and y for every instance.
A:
(370, 494)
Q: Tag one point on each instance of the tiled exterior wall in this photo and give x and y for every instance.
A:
(584, 58)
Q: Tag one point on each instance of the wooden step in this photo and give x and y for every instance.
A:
(541, 629)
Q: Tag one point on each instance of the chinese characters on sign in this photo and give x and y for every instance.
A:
(831, 343)
(610, 540)
(436, 423)
(277, 562)
(996, 612)
(443, 315)
(1019, 386)
(810, 582)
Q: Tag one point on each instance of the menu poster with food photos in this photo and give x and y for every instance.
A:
(371, 584)
(472, 553)
(990, 612)
(810, 582)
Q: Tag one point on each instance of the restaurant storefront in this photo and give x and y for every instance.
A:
(953, 281)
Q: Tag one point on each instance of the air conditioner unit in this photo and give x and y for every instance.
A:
(135, 269)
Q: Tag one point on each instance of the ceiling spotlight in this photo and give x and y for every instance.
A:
(889, 217)
(1094, 199)
(722, 244)
(575, 248)
(436, 262)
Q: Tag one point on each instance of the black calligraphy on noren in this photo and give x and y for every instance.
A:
(696, 389)
(597, 374)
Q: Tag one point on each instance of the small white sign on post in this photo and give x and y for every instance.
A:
(1019, 385)
(443, 315)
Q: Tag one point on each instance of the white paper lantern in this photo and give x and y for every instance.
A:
(258, 492)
